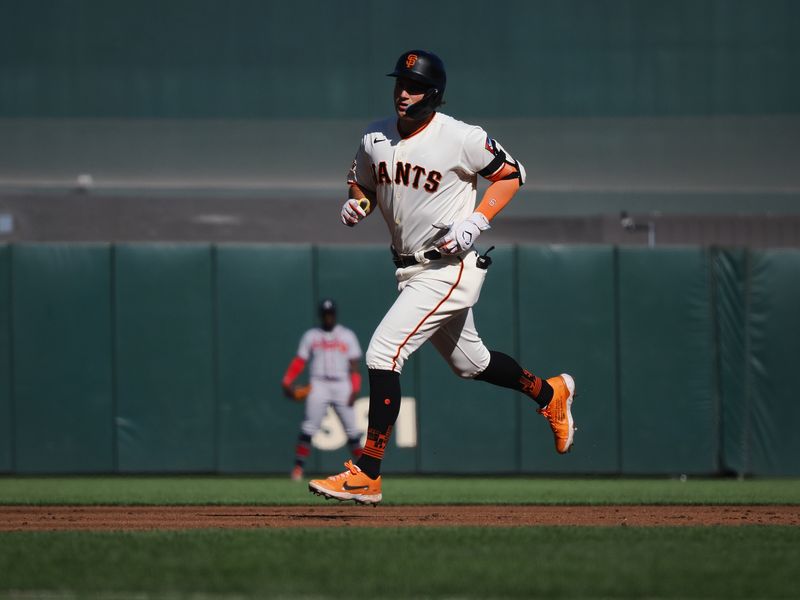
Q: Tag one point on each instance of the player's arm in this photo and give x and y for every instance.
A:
(292, 372)
(355, 381)
(360, 200)
(506, 175)
(297, 365)
(358, 192)
(506, 181)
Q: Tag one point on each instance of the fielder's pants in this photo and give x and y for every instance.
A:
(334, 393)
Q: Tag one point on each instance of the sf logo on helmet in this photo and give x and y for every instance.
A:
(411, 60)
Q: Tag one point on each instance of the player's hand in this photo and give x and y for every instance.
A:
(297, 393)
(461, 236)
(352, 212)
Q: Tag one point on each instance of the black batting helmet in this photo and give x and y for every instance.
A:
(428, 69)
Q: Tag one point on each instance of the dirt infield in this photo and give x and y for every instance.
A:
(110, 518)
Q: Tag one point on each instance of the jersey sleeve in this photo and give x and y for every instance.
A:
(485, 156)
(360, 172)
(353, 349)
(304, 350)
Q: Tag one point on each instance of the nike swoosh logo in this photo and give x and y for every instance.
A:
(354, 487)
(376, 140)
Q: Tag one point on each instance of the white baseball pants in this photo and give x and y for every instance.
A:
(435, 303)
(336, 394)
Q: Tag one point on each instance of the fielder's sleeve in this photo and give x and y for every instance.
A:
(485, 156)
(304, 350)
(360, 172)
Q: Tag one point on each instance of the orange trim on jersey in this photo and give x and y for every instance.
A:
(497, 196)
(426, 317)
(416, 131)
(505, 170)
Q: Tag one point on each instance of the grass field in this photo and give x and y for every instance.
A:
(398, 490)
(530, 562)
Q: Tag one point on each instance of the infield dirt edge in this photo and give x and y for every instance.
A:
(127, 518)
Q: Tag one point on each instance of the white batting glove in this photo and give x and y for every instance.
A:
(461, 236)
(352, 212)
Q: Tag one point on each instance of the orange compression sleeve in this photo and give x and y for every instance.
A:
(295, 368)
(497, 196)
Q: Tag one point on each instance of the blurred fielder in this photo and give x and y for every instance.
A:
(334, 381)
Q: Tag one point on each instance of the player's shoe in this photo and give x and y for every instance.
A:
(558, 412)
(297, 473)
(352, 484)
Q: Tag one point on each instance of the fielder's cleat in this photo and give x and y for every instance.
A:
(558, 412)
(352, 484)
(297, 473)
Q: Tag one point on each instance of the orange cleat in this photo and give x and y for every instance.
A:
(352, 484)
(558, 412)
(297, 473)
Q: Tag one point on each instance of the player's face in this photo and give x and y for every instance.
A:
(406, 93)
(328, 321)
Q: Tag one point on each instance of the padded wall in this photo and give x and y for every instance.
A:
(567, 325)
(731, 278)
(63, 395)
(668, 416)
(168, 358)
(164, 357)
(470, 426)
(773, 377)
(6, 408)
(265, 302)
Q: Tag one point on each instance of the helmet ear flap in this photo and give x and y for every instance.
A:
(429, 102)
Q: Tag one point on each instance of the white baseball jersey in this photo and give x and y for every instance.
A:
(429, 177)
(330, 352)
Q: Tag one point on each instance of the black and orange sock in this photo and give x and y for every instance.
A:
(384, 406)
(302, 450)
(506, 372)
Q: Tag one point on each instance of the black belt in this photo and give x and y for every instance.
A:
(401, 261)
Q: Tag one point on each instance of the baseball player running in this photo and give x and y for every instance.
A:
(420, 169)
(334, 380)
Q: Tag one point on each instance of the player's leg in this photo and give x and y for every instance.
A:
(553, 395)
(352, 484)
(460, 345)
(428, 297)
(425, 303)
(302, 451)
(316, 407)
(347, 415)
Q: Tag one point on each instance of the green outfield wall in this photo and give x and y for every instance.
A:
(168, 358)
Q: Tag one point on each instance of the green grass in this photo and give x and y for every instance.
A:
(736, 562)
(531, 562)
(397, 490)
